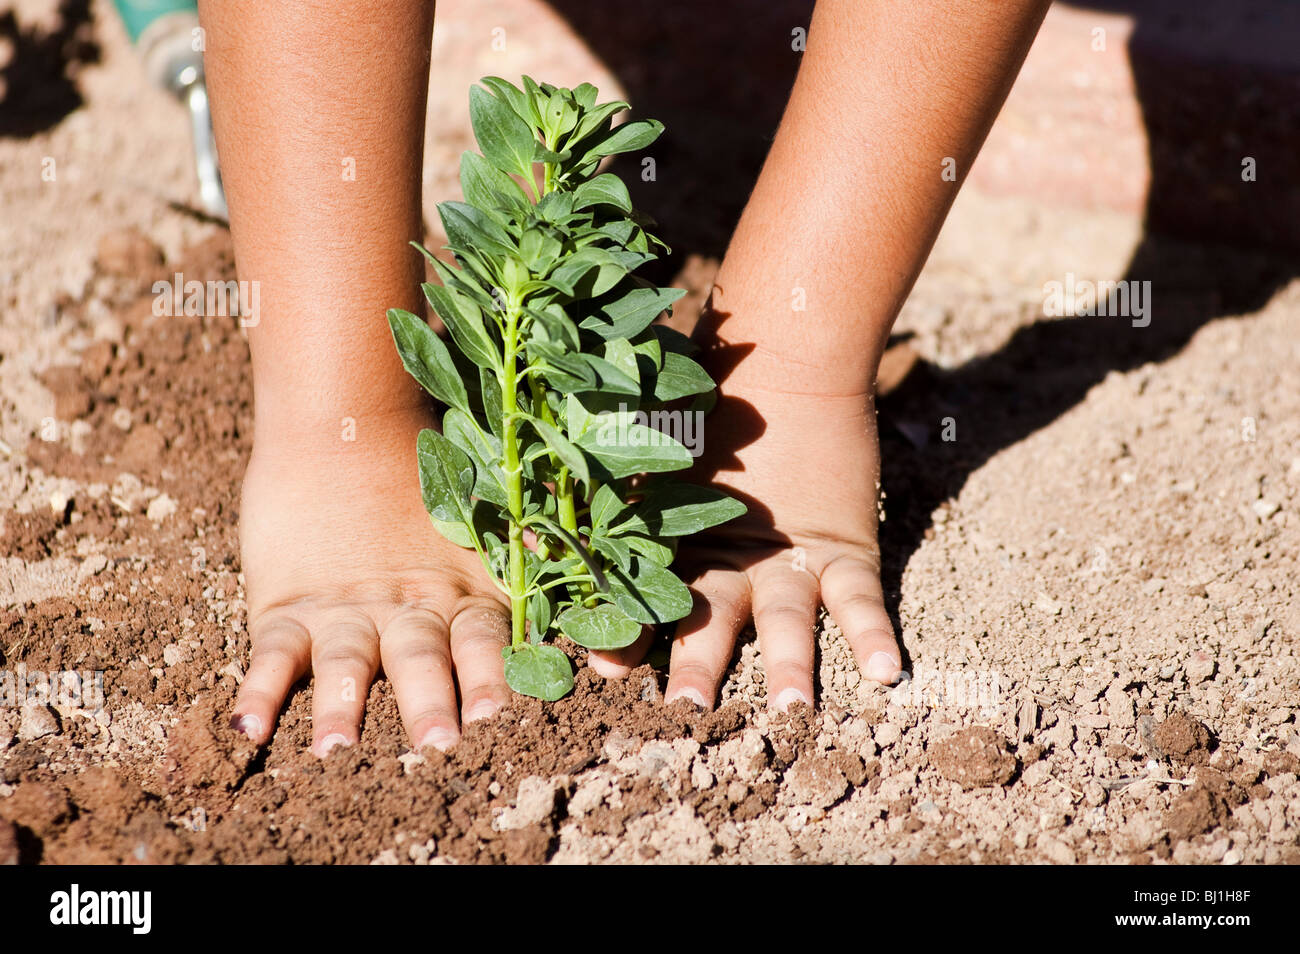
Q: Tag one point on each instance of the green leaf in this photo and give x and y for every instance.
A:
(605, 189)
(625, 447)
(427, 359)
(490, 390)
(649, 593)
(650, 354)
(634, 312)
(464, 320)
(605, 506)
(612, 378)
(626, 138)
(601, 627)
(464, 282)
(594, 119)
(620, 353)
(576, 417)
(446, 479)
(679, 377)
(564, 372)
(540, 249)
(652, 550)
(672, 340)
(677, 509)
(585, 96)
(543, 672)
(512, 94)
(504, 138)
(472, 230)
(541, 610)
(537, 99)
(542, 154)
(557, 326)
(561, 447)
(587, 273)
(486, 186)
(615, 548)
(560, 115)
(484, 451)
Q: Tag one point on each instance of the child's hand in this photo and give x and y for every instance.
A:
(345, 574)
(807, 467)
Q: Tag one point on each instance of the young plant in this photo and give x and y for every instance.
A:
(555, 366)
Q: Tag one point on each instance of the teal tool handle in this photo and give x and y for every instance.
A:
(138, 14)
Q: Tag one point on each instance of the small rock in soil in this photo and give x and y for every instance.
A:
(160, 508)
(1200, 667)
(887, 735)
(38, 721)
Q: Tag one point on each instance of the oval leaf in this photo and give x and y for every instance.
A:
(464, 321)
(427, 359)
(649, 593)
(446, 478)
(543, 672)
(602, 627)
(503, 137)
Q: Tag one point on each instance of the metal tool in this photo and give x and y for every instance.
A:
(169, 41)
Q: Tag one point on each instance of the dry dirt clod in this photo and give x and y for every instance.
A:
(1197, 810)
(974, 757)
(814, 780)
(534, 804)
(1180, 738)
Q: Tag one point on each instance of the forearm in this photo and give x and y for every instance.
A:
(304, 91)
(852, 194)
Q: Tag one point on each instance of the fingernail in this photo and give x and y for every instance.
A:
(788, 697)
(481, 710)
(882, 667)
(440, 739)
(690, 693)
(331, 742)
(250, 725)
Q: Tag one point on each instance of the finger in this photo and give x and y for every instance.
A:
(281, 656)
(617, 663)
(853, 596)
(479, 631)
(344, 660)
(706, 638)
(416, 653)
(785, 612)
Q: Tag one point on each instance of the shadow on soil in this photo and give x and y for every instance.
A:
(38, 83)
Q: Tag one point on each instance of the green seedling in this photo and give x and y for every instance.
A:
(546, 465)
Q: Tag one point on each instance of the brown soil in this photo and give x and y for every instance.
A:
(1104, 557)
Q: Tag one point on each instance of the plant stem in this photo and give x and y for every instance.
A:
(514, 479)
(564, 501)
